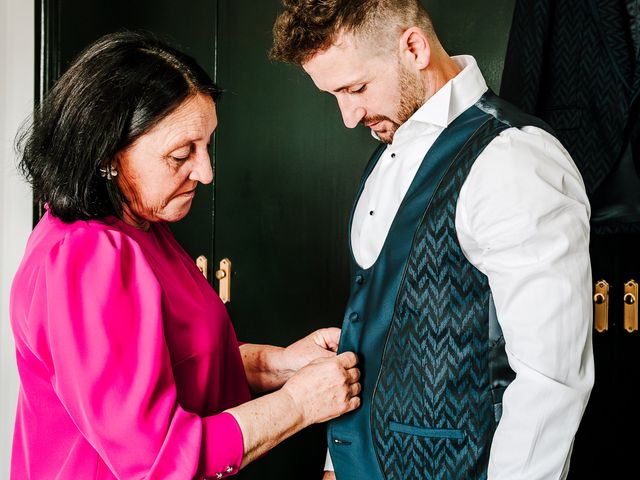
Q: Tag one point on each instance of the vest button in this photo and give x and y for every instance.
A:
(359, 279)
(354, 317)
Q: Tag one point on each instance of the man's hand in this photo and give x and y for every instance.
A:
(329, 476)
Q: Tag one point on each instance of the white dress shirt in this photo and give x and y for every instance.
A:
(522, 219)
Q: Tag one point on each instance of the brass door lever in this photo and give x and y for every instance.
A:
(224, 278)
(601, 301)
(203, 264)
(631, 306)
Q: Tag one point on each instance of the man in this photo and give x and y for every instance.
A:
(470, 303)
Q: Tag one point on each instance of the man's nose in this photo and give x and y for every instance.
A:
(352, 112)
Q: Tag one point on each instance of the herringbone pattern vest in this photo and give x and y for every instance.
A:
(422, 320)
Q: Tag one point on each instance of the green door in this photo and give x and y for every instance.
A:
(286, 173)
(285, 167)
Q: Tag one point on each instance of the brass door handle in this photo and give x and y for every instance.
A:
(203, 265)
(631, 306)
(601, 301)
(223, 274)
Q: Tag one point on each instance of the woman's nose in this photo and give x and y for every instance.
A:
(202, 171)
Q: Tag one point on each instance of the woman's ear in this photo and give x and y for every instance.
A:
(414, 47)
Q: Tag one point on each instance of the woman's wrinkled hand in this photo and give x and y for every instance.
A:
(326, 388)
(322, 343)
(268, 367)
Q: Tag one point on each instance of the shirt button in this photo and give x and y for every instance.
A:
(359, 279)
(218, 475)
(354, 317)
(229, 469)
(393, 155)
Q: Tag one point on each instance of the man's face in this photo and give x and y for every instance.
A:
(374, 90)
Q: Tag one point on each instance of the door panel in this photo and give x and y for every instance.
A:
(286, 173)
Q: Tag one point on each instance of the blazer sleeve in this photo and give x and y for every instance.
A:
(111, 368)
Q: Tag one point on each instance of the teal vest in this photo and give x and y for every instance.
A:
(423, 324)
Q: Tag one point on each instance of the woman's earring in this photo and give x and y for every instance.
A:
(108, 172)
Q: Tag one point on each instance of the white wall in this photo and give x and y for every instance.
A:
(16, 100)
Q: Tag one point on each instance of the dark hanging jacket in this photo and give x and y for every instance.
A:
(573, 63)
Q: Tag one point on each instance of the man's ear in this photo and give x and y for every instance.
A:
(415, 48)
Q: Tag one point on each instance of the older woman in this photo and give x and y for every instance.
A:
(129, 365)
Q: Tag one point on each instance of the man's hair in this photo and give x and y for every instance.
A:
(119, 88)
(307, 27)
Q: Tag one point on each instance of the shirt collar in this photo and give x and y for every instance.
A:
(456, 96)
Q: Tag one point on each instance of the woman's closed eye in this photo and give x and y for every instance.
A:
(182, 154)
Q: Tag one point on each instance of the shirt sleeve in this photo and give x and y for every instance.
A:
(523, 220)
(111, 369)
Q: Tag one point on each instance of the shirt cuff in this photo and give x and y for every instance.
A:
(328, 463)
(222, 447)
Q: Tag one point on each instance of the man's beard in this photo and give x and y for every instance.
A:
(412, 97)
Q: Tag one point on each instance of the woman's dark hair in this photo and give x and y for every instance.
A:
(115, 91)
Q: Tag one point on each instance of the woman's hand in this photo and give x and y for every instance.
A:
(328, 475)
(326, 388)
(268, 367)
(322, 343)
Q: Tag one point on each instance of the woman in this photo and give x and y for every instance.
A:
(129, 365)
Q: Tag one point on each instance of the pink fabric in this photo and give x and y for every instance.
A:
(126, 358)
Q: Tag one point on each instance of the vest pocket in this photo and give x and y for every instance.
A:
(447, 433)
